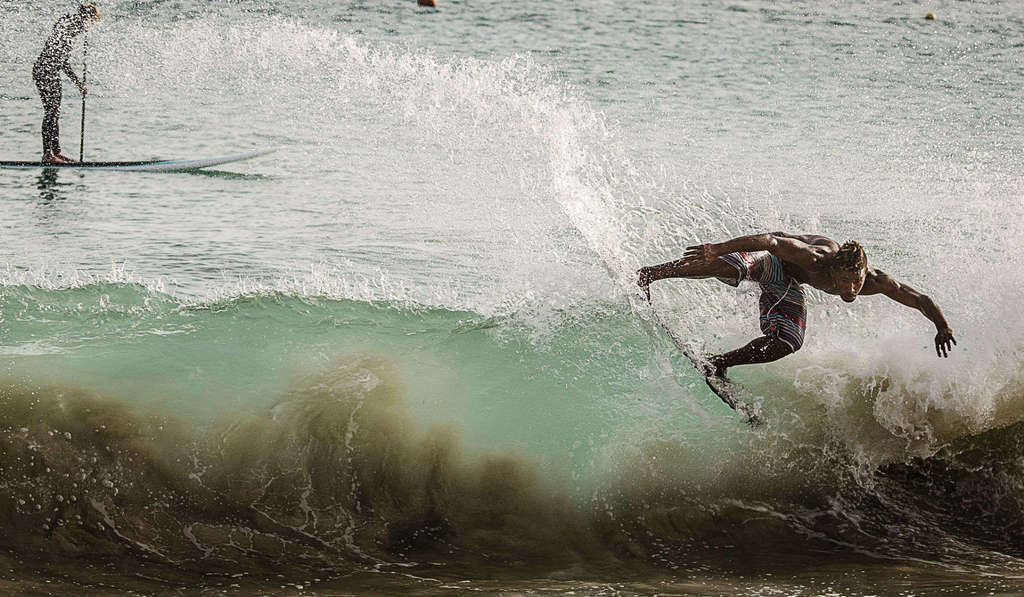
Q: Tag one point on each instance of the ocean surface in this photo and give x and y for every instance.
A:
(403, 354)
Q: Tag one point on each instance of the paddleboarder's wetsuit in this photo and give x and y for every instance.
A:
(55, 59)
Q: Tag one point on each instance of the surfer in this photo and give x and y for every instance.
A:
(780, 263)
(46, 72)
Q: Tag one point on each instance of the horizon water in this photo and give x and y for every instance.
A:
(401, 354)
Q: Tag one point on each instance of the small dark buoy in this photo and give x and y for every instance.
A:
(432, 3)
(930, 16)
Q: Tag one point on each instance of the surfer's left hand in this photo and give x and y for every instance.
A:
(943, 342)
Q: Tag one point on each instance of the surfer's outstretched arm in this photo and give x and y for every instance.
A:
(878, 282)
(785, 247)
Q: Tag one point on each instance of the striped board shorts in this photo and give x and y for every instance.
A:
(783, 313)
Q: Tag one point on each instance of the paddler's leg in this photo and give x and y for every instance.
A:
(50, 93)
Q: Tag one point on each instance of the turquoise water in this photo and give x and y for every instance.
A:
(486, 376)
(403, 353)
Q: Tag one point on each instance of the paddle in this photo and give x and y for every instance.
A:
(85, 71)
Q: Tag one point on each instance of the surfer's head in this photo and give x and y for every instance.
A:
(88, 14)
(849, 268)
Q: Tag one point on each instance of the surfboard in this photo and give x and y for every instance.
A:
(731, 393)
(140, 166)
(727, 390)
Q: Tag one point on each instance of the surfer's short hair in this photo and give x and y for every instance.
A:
(89, 11)
(850, 257)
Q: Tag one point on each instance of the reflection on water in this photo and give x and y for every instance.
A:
(49, 186)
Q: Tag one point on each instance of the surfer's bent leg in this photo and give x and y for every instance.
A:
(759, 350)
(719, 268)
(783, 313)
(743, 266)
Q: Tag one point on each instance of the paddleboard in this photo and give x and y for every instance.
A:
(142, 166)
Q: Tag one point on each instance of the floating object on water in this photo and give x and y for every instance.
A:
(930, 16)
(149, 166)
(432, 3)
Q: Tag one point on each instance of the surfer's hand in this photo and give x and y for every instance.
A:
(704, 254)
(943, 342)
(84, 89)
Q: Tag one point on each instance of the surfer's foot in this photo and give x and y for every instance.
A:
(67, 159)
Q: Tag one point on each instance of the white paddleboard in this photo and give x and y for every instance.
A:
(142, 166)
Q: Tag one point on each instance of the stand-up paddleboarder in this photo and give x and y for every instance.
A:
(54, 60)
